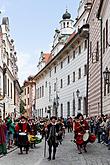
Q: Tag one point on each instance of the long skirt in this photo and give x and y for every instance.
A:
(3, 149)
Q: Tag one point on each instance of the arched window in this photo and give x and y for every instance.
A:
(64, 24)
(67, 24)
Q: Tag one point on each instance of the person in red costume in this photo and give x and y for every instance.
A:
(3, 129)
(23, 128)
(80, 128)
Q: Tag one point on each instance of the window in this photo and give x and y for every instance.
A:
(97, 52)
(85, 70)
(79, 75)
(28, 101)
(42, 91)
(38, 93)
(74, 54)
(25, 102)
(85, 44)
(49, 93)
(61, 64)
(55, 69)
(90, 49)
(73, 76)
(68, 109)
(67, 24)
(107, 33)
(68, 79)
(64, 24)
(7, 59)
(46, 84)
(68, 59)
(28, 90)
(61, 110)
(73, 106)
(25, 91)
(54, 87)
(11, 90)
(42, 112)
(8, 87)
(79, 49)
(79, 104)
(84, 106)
(50, 73)
(5, 85)
(107, 86)
(104, 40)
(45, 109)
(61, 83)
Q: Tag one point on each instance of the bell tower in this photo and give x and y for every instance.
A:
(66, 24)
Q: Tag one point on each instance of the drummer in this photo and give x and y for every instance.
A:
(23, 127)
(33, 129)
(80, 127)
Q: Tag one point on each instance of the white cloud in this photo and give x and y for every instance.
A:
(27, 65)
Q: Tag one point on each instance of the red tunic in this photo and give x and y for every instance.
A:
(3, 129)
(80, 129)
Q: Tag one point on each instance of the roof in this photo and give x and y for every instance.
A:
(70, 37)
(47, 57)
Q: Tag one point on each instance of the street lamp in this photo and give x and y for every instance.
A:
(106, 74)
(77, 92)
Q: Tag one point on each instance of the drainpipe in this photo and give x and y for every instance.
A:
(87, 77)
(101, 62)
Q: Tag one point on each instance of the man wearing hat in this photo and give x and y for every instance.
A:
(23, 128)
(80, 127)
(52, 133)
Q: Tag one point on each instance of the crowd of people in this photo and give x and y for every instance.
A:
(25, 132)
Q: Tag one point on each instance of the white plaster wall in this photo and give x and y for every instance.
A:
(66, 93)
(106, 56)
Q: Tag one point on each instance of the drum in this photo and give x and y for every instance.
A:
(92, 138)
(31, 138)
(38, 138)
(86, 136)
(22, 139)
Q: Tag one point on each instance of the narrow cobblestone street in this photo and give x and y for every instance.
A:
(97, 154)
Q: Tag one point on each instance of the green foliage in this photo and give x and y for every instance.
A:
(22, 107)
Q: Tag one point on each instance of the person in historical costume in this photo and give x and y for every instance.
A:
(3, 129)
(60, 133)
(23, 129)
(33, 132)
(52, 133)
(80, 128)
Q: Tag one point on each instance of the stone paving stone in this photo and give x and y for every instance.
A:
(67, 154)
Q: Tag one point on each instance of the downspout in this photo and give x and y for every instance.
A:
(87, 77)
(101, 67)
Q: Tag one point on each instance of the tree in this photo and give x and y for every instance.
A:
(22, 105)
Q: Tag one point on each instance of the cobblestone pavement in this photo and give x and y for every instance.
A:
(67, 154)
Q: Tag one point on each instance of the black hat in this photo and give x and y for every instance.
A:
(23, 117)
(78, 115)
(53, 117)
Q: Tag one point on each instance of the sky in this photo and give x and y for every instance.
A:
(32, 26)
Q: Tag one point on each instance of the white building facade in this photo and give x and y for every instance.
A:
(8, 71)
(61, 86)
